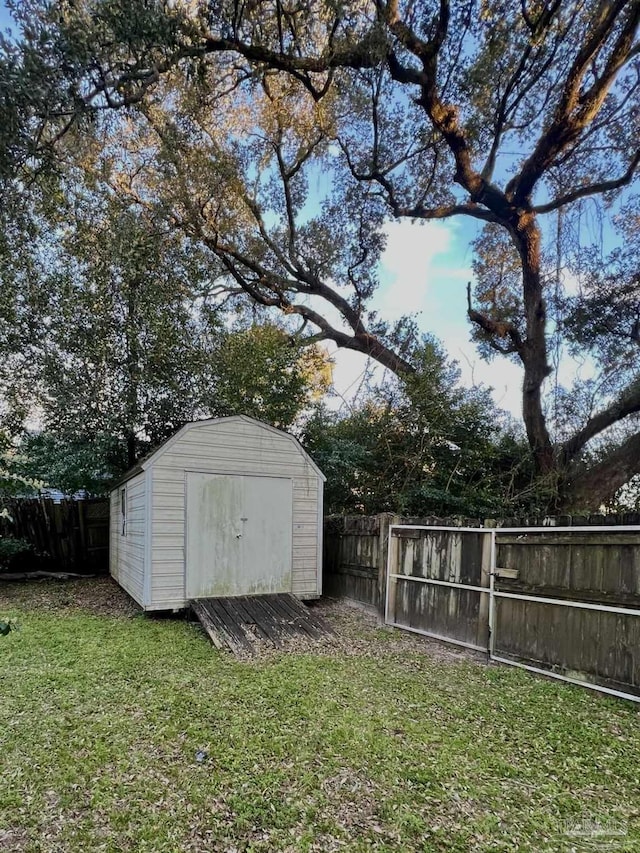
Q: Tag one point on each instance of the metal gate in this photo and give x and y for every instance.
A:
(452, 591)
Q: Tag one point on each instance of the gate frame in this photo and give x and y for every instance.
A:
(493, 594)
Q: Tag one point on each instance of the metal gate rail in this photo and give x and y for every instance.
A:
(493, 594)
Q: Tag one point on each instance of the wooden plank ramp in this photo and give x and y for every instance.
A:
(243, 623)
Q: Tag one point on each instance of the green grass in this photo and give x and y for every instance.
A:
(394, 747)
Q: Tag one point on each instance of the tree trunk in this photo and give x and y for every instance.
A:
(587, 490)
(526, 235)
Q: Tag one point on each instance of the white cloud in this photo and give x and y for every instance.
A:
(571, 283)
(424, 272)
(411, 252)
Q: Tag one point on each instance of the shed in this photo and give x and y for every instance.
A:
(225, 507)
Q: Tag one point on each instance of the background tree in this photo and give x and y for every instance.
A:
(421, 446)
(265, 372)
(122, 355)
(129, 341)
(13, 482)
(603, 320)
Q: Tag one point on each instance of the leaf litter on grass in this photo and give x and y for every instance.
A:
(376, 740)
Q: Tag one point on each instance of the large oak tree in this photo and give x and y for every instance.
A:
(236, 113)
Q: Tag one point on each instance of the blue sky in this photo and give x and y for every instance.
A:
(424, 271)
(5, 18)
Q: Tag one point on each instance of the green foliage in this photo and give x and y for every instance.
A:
(264, 372)
(74, 462)
(419, 447)
(13, 481)
(498, 282)
(281, 141)
(119, 339)
(603, 318)
(120, 350)
(10, 548)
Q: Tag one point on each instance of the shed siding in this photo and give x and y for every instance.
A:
(236, 447)
(126, 553)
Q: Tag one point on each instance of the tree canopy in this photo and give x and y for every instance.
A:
(421, 445)
(114, 339)
(278, 138)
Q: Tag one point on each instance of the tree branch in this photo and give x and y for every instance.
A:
(628, 403)
(496, 329)
(361, 341)
(591, 189)
(587, 490)
(575, 110)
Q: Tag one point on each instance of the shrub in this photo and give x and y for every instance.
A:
(10, 548)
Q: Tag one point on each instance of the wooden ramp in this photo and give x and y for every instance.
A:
(241, 623)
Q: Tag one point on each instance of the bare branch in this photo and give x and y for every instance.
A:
(592, 189)
(505, 107)
(362, 341)
(495, 329)
(575, 111)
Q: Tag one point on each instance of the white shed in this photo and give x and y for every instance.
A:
(228, 506)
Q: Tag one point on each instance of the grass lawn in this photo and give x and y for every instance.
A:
(382, 741)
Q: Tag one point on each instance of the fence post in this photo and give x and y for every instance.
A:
(389, 555)
(385, 519)
(484, 628)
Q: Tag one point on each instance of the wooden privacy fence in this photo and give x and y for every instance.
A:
(355, 558)
(560, 600)
(70, 536)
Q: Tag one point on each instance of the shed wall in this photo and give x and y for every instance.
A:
(229, 447)
(127, 553)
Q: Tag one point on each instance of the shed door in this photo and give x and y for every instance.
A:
(239, 533)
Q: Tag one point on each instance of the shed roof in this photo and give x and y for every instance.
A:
(155, 454)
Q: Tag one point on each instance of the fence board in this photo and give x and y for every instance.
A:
(70, 536)
(603, 568)
(355, 557)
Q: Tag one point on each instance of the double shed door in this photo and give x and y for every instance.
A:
(238, 535)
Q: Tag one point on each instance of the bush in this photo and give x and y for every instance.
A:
(10, 548)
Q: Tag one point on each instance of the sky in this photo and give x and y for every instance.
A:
(424, 272)
(425, 269)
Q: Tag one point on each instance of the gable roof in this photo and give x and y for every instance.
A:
(155, 454)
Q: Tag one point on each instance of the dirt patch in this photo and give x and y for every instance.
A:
(13, 839)
(95, 596)
(356, 632)
(359, 633)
